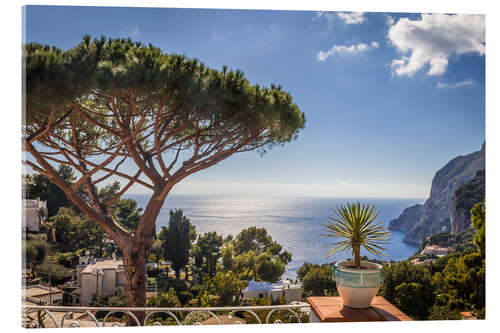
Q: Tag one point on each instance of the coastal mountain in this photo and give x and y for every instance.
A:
(429, 218)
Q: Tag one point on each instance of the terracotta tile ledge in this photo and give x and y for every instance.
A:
(330, 309)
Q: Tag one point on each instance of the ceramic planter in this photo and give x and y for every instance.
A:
(357, 287)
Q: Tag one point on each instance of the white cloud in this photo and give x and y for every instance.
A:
(352, 18)
(336, 49)
(432, 40)
(460, 84)
(327, 15)
(389, 20)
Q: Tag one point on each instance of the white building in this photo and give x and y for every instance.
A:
(96, 277)
(435, 250)
(291, 292)
(34, 213)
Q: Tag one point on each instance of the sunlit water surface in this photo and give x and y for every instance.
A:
(296, 223)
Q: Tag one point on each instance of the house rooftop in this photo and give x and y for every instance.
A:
(268, 286)
(103, 264)
(39, 290)
(435, 249)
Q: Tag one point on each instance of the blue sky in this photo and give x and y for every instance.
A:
(389, 98)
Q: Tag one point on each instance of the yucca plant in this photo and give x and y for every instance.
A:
(355, 226)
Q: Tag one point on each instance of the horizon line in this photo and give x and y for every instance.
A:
(279, 196)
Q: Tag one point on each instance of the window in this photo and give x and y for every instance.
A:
(77, 300)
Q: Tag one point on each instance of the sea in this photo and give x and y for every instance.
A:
(296, 223)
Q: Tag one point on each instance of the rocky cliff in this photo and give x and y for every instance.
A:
(406, 221)
(427, 219)
(464, 198)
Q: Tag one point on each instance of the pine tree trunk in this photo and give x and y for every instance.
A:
(136, 250)
(134, 262)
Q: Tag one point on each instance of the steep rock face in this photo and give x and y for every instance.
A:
(459, 218)
(406, 220)
(424, 220)
(464, 198)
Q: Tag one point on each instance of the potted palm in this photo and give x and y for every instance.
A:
(353, 227)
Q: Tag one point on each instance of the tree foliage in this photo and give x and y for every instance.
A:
(70, 230)
(462, 283)
(176, 240)
(165, 300)
(113, 66)
(268, 268)
(409, 299)
(227, 257)
(157, 250)
(470, 193)
(54, 273)
(227, 286)
(67, 259)
(35, 252)
(253, 254)
(116, 299)
(207, 251)
(414, 282)
(244, 265)
(40, 186)
(441, 290)
(478, 217)
(252, 239)
(108, 103)
(316, 280)
(125, 211)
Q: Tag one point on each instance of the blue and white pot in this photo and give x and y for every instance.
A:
(357, 287)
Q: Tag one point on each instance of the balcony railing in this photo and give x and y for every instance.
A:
(44, 316)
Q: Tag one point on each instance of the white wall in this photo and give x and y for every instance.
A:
(120, 279)
(108, 281)
(292, 294)
(31, 219)
(87, 288)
